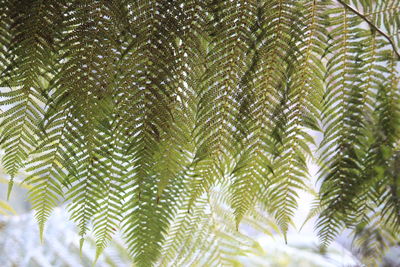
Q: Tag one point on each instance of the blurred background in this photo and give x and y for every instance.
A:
(20, 245)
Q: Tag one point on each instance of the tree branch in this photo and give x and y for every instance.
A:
(372, 25)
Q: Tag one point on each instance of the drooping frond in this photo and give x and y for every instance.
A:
(29, 45)
(159, 123)
(354, 114)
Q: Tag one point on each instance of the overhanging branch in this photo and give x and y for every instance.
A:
(372, 25)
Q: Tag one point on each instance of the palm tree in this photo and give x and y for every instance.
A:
(134, 112)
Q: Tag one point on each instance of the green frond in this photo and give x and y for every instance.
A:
(357, 79)
(28, 53)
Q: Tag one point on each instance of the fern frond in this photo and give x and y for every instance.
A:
(84, 84)
(29, 55)
(159, 148)
(344, 113)
(356, 81)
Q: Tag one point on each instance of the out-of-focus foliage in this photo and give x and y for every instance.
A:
(5, 208)
(21, 245)
(22, 248)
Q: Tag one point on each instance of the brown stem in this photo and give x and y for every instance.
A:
(372, 25)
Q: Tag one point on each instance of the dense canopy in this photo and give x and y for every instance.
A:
(140, 114)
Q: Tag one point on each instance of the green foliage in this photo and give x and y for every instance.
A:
(133, 111)
(6, 209)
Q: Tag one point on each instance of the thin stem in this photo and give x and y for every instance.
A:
(372, 25)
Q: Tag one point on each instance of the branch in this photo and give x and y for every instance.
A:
(372, 25)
